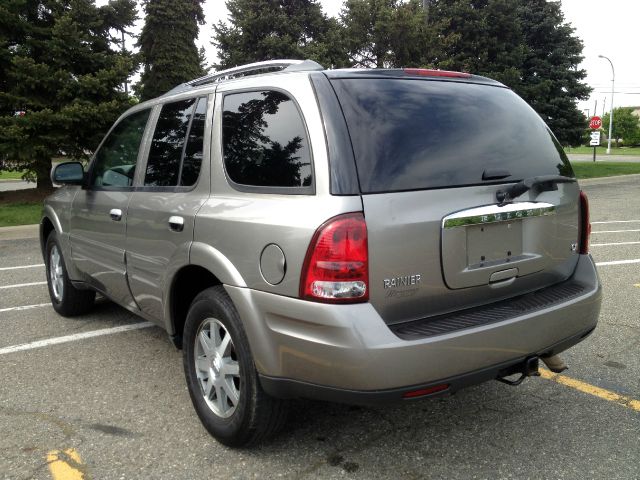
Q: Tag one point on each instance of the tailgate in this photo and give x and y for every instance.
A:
(445, 257)
(431, 156)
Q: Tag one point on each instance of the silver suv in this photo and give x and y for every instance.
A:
(356, 236)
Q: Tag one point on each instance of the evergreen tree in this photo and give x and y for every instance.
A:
(551, 80)
(202, 60)
(525, 44)
(167, 45)
(478, 36)
(61, 79)
(270, 29)
(384, 33)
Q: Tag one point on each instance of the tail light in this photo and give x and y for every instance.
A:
(336, 268)
(585, 224)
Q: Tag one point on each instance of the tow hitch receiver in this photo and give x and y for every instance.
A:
(528, 368)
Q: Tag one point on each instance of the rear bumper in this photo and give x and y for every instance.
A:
(287, 388)
(347, 353)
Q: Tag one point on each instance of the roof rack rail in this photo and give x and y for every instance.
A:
(256, 68)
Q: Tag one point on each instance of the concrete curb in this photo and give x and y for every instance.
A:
(605, 180)
(32, 231)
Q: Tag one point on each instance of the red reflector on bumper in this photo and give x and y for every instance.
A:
(426, 391)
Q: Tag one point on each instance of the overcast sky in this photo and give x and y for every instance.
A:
(606, 28)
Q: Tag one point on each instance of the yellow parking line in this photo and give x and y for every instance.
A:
(637, 285)
(65, 465)
(592, 390)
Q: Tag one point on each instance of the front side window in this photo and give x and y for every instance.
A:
(115, 162)
(264, 141)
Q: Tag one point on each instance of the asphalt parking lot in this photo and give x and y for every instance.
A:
(115, 406)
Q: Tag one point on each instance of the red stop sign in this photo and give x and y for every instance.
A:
(595, 123)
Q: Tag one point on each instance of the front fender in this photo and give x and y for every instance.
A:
(62, 233)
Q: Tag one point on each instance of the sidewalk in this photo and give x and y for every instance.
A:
(32, 231)
(607, 180)
(19, 232)
(11, 185)
(581, 157)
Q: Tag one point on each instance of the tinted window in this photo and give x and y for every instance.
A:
(115, 162)
(415, 134)
(165, 154)
(264, 140)
(195, 146)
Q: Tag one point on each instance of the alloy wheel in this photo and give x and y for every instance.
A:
(217, 367)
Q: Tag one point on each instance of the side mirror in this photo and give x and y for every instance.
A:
(68, 173)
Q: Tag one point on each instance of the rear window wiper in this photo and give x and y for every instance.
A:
(542, 183)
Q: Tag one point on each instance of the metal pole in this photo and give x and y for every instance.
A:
(604, 106)
(613, 80)
(126, 87)
(595, 109)
(425, 6)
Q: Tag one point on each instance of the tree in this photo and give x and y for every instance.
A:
(167, 45)
(551, 80)
(479, 36)
(625, 126)
(384, 33)
(270, 29)
(525, 44)
(61, 79)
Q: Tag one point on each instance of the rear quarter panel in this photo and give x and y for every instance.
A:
(239, 225)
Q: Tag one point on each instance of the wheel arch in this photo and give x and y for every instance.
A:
(207, 267)
(48, 224)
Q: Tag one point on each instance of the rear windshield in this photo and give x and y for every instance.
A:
(420, 134)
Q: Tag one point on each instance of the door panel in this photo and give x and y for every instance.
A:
(98, 241)
(161, 214)
(99, 210)
(153, 246)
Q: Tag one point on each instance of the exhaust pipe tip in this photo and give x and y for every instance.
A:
(555, 363)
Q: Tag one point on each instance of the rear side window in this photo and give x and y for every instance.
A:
(264, 141)
(115, 162)
(417, 134)
(195, 146)
(176, 149)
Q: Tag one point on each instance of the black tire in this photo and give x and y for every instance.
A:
(71, 301)
(256, 416)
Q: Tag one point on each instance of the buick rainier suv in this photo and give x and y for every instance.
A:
(356, 236)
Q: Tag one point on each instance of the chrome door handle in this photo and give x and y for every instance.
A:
(176, 223)
(115, 214)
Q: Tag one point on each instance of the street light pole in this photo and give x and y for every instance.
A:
(124, 51)
(613, 81)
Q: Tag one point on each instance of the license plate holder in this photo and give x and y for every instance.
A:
(493, 242)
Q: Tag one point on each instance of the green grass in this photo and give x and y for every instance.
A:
(4, 175)
(20, 214)
(604, 169)
(23, 207)
(603, 150)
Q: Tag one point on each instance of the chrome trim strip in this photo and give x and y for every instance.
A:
(495, 214)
